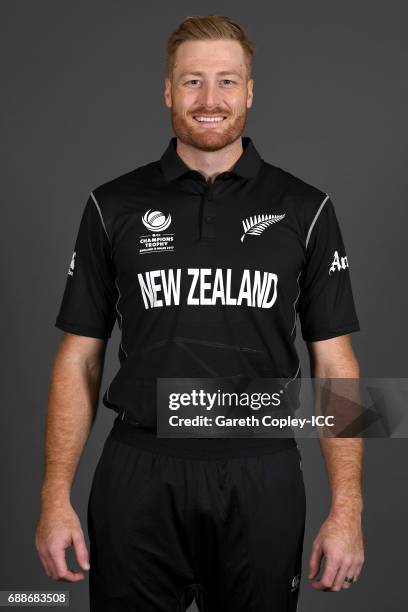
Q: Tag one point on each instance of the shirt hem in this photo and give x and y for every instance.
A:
(81, 330)
(325, 335)
(199, 447)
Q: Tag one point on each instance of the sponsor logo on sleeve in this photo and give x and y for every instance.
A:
(338, 263)
(295, 582)
(72, 265)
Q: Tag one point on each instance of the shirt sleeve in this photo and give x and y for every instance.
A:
(326, 305)
(90, 295)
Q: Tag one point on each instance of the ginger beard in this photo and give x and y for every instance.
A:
(208, 138)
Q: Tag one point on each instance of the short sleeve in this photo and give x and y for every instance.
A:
(326, 305)
(88, 303)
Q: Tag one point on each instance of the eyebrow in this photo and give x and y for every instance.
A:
(199, 73)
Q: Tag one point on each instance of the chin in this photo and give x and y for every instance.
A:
(207, 139)
(211, 142)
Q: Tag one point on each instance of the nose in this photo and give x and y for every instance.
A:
(210, 95)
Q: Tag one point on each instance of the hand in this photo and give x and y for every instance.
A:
(57, 529)
(340, 540)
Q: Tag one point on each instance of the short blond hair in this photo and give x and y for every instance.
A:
(208, 27)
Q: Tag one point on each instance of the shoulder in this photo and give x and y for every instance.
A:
(110, 194)
(303, 200)
(293, 187)
(111, 198)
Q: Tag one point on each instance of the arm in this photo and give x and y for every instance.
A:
(73, 398)
(340, 537)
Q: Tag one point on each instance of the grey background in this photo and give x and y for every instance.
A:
(82, 103)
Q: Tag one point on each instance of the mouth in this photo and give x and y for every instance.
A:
(209, 120)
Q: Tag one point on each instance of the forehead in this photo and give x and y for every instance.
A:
(209, 56)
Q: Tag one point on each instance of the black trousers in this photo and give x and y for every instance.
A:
(167, 525)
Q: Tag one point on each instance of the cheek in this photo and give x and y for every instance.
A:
(184, 102)
(237, 102)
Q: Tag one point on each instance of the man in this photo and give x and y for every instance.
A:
(221, 520)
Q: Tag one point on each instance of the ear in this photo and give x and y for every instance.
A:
(250, 92)
(167, 92)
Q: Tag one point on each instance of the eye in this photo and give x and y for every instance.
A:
(227, 82)
(193, 82)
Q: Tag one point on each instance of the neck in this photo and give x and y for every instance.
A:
(210, 163)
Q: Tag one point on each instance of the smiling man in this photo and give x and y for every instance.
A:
(212, 122)
(205, 257)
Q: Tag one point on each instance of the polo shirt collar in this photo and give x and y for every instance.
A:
(247, 165)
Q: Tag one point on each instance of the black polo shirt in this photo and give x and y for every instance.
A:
(206, 279)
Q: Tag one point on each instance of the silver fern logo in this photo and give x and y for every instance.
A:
(257, 224)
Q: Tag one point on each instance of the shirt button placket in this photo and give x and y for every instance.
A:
(209, 217)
